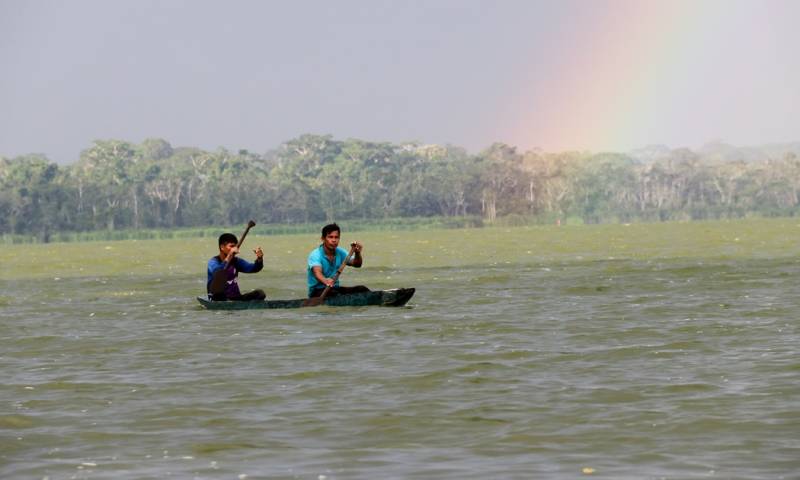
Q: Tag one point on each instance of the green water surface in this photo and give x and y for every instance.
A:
(618, 351)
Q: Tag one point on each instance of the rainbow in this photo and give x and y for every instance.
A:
(630, 67)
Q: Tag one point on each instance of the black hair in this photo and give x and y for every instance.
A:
(331, 227)
(227, 238)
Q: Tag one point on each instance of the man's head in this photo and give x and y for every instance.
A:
(226, 242)
(331, 227)
(227, 238)
(330, 236)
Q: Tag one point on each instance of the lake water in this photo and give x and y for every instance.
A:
(642, 351)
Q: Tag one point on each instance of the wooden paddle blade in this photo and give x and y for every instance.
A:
(218, 282)
(313, 301)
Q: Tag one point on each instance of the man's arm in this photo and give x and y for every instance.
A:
(316, 270)
(246, 267)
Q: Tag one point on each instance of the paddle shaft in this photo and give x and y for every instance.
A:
(338, 272)
(321, 298)
(250, 225)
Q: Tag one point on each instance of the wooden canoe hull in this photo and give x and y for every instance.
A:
(396, 297)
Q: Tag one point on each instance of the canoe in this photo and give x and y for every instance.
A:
(396, 297)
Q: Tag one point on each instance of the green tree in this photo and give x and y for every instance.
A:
(504, 181)
(32, 195)
(104, 180)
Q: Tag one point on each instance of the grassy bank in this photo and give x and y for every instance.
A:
(389, 250)
(353, 225)
(388, 224)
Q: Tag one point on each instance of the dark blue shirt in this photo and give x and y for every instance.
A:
(232, 272)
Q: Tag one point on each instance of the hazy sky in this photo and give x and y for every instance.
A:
(587, 74)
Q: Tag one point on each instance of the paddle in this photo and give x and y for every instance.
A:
(314, 301)
(219, 279)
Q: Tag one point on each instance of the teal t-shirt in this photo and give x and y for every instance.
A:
(317, 258)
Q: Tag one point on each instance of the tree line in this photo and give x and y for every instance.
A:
(122, 185)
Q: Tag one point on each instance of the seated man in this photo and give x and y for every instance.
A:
(224, 269)
(325, 260)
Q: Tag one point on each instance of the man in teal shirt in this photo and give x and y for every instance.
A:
(325, 260)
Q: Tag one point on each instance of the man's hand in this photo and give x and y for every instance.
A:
(232, 253)
(259, 253)
(328, 282)
(356, 260)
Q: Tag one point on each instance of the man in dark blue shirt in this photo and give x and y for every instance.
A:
(229, 290)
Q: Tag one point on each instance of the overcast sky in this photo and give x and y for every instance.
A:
(556, 75)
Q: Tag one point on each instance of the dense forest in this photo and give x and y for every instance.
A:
(121, 185)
